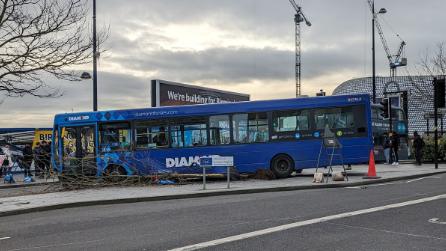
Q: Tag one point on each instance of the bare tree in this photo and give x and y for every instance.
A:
(38, 37)
(434, 64)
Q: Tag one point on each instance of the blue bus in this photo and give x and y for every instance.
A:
(281, 135)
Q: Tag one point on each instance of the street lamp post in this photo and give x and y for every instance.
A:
(381, 11)
(95, 66)
(373, 54)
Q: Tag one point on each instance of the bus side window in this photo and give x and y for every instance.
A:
(258, 127)
(150, 135)
(240, 128)
(189, 132)
(250, 128)
(114, 137)
(195, 134)
(68, 142)
(56, 146)
(335, 118)
(176, 136)
(219, 130)
(289, 121)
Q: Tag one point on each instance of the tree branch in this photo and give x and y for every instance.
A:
(41, 36)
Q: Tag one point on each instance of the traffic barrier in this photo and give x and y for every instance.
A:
(371, 174)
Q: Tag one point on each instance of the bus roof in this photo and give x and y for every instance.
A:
(210, 109)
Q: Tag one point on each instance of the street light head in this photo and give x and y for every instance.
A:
(308, 23)
(382, 11)
(85, 75)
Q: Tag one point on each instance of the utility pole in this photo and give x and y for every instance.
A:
(373, 55)
(439, 102)
(396, 60)
(95, 64)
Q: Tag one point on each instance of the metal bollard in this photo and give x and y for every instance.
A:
(229, 176)
(204, 178)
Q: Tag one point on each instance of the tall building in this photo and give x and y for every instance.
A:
(420, 92)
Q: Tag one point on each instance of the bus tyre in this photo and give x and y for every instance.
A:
(282, 166)
(115, 173)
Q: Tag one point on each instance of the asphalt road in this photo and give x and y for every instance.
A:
(178, 223)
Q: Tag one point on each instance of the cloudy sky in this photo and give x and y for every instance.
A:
(238, 45)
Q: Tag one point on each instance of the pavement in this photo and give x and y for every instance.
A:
(115, 195)
(18, 178)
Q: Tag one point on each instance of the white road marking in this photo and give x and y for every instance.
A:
(374, 185)
(383, 184)
(388, 231)
(304, 223)
(434, 177)
(359, 187)
(4, 238)
(57, 245)
(435, 220)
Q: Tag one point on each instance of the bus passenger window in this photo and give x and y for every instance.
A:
(336, 118)
(69, 142)
(176, 136)
(285, 123)
(302, 121)
(114, 137)
(56, 146)
(258, 127)
(195, 135)
(159, 137)
(189, 133)
(240, 128)
(219, 130)
(289, 121)
(149, 135)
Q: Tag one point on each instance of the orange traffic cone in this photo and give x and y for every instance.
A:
(372, 170)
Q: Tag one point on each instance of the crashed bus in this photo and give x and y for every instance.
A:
(284, 136)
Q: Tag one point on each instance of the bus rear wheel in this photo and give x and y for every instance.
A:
(282, 166)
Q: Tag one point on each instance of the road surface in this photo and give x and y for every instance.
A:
(404, 215)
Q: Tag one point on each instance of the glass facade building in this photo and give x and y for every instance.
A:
(420, 92)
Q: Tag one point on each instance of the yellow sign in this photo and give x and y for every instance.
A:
(42, 135)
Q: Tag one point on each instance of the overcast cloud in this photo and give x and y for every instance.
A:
(238, 45)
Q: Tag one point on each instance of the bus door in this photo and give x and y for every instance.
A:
(79, 154)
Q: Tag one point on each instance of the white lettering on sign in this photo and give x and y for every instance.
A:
(356, 99)
(155, 113)
(78, 118)
(222, 161)
(217, 161)
(182, 161)
(196, 98)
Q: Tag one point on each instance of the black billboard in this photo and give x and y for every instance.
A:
(166, 93)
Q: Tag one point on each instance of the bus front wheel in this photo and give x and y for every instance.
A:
(282, 166)
(115, 171)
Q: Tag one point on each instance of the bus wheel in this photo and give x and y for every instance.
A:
(282, 166)
(115, 173)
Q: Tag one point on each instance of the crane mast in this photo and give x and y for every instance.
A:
(299, 17)
(394, 60)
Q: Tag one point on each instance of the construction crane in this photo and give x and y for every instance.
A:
(395, 60)
(299, 17)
